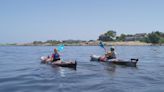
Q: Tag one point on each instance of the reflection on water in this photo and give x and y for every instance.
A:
(21, 70)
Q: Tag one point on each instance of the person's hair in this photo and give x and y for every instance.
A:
(112, 49)
(55, 50)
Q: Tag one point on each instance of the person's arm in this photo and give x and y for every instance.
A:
(52, 56)
(109, 54)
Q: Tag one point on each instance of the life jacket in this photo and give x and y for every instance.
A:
(114, 55)
(56, 56)
(111, 55)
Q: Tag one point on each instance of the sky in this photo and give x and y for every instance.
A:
(41, 20)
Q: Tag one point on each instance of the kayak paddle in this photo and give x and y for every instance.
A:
(60, 47)
(102, 45)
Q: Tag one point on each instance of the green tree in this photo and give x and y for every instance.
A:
(153, 37)
(53, 42)
(108, 36)
(111, 34)
(121, 37)
(161, 40)
(37, 42)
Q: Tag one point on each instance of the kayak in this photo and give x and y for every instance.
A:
(69, 64)
(132, 62)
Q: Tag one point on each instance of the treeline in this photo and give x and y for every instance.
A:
(155, 37)
(56, 42)
(51, 42)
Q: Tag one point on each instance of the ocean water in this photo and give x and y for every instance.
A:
(21, 70)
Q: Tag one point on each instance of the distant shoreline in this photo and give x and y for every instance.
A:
(86, 43)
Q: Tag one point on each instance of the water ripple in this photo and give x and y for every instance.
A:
(21, 70)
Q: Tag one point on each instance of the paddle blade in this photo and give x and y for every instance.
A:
(60, 47)
(101, 44)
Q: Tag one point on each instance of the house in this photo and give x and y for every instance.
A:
(135, 37)
(140, 36)
(129, 38)
(72, 41)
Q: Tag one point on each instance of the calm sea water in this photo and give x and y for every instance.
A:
(21, 70)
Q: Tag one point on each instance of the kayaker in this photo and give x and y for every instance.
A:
(109, 55)
(54, 57)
